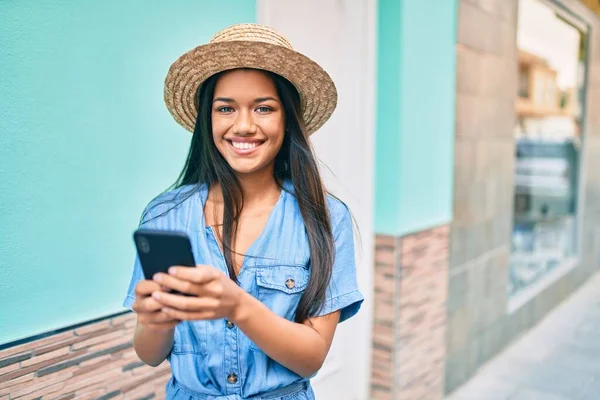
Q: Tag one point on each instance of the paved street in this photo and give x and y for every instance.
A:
(557, 360)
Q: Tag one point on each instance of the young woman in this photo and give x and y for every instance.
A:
(276, 269)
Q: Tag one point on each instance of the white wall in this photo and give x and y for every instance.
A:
(340, 36)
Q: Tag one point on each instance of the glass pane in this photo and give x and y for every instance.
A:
(548, 137)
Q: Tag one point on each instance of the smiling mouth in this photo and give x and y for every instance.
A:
(244, 146)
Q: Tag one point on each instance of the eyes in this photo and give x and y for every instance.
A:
(229, 110)
(263, 109)
(225, 110)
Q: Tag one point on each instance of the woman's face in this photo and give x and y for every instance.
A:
(248, 121)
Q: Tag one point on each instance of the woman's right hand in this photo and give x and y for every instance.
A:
(148, 310)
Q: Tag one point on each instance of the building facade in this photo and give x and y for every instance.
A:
(464, 142)
(524, 233)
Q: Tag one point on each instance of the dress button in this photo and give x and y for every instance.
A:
(230, 324)
(290, 283)
(232, 378)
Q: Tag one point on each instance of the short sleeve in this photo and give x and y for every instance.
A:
(137, 273)
(151, 219)
(343, 292)
(136, 276)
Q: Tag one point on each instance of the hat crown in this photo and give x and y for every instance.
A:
(251, 33)
(249, 46)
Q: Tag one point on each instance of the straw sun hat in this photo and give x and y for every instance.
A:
(249, 46)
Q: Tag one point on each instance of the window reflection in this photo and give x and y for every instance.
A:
(548, 135)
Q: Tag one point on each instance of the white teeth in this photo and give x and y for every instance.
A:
(244, 145)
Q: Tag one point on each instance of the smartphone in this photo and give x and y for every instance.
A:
(158, 250)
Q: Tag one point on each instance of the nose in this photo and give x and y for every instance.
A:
(244, 124)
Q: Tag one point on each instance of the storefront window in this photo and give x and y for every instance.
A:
(548, 137)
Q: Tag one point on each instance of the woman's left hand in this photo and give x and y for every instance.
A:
(214, 294)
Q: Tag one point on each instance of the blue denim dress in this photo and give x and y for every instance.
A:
(214, 359)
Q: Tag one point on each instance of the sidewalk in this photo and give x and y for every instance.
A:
(557, 360)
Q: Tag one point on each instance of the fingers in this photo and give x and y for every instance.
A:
(171, 283)
(189, 308)
(183, 303)
(146, 287)
(158, 308)
(148, 310)
(199, 275)
(146, 305)
(190, 316)
(149, 314)
(157, 321)
(188, 280)
(164, 288)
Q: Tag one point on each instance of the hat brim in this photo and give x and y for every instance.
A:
(317, 91)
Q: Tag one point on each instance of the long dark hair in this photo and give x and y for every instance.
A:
(295, 161)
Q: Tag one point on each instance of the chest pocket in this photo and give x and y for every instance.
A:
(191, 337)
(280, 288)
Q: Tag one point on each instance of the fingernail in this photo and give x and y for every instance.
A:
(157, 277)
(165, 309)
(156, 295)
(172, 270)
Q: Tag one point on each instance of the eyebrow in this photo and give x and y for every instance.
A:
(257, 100)
(224, 99)
(261, 99)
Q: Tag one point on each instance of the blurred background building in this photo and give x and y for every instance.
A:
(464, 141)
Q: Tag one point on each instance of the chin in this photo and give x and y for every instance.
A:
(245, 169)
(250, 168)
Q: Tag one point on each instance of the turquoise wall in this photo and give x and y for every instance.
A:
(85, 143)
(415, 115)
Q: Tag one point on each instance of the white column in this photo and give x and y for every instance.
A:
(341, 36)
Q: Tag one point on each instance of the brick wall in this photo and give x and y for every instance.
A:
(411, 279)
(96, 361)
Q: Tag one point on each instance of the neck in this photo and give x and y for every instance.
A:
(258, 187)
